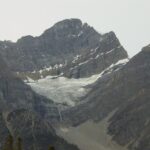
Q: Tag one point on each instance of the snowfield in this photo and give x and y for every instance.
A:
(67, 91)
(61, 89)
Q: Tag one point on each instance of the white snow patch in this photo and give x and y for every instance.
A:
(97, 56)
(113, 49)
(61, 89)
(48, 68)
(80, 33)
(76, 58)
(93, 51)
(109, 69)
(119, 46)
(76, 35)
(101, 54)
(64, 130)
(85, 62)
(110, 51)
(29, 80)
(122, 61)
(56, 66)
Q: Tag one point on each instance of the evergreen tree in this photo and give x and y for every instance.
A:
(51, 148)
(8, 143)
(19, 144)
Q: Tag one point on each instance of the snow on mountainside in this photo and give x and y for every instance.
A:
(69, 91)
(61, 89)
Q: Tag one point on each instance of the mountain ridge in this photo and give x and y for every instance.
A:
(67, 47)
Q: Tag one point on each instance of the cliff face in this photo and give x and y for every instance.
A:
(125, 91)
(69, 47)
(25, 114)
(131, 121)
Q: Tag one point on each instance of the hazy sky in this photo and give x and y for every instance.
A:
(129, 19)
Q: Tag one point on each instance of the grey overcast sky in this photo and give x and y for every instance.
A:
(129, 19)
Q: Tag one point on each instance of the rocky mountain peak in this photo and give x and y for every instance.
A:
(74, 23)
(70, 47)
(69, 29)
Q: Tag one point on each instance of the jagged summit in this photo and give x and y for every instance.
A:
(73, 26)
(75, 23)
(69, 29)
(70, 47)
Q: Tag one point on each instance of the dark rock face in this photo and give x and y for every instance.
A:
(69, 47)
(127, 92)
(107, 52)
(25, 114)
(131, 123)
(3, 131)
(36, 133)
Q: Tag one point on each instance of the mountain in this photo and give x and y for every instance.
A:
(70, 47)
(74, 85)
(23, 113)
(125, 95)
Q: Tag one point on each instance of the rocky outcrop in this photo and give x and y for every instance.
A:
(70, 47)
